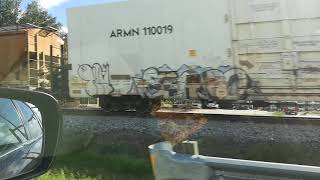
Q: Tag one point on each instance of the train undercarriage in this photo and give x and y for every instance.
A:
(146, 105)
(128, 103)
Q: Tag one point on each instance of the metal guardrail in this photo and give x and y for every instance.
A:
(168, 164)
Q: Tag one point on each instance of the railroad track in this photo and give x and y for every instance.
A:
(100, 112)
(181, 114)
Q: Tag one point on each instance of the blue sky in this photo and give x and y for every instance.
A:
(58, 7)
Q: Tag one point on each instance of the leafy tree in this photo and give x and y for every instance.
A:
(9, 12)
(39, 16)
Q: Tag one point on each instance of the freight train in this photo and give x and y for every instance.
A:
(224, 51)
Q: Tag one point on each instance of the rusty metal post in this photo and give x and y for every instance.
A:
(62, 63)
(51, 66)
(63, 87)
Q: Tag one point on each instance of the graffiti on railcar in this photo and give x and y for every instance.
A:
(186, 82)
(97, 77)
(192, 82)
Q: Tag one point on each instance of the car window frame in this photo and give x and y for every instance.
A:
(22, 144)
(21, 121)
(31, 139)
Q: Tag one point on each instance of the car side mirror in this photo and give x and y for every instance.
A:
(30, 124)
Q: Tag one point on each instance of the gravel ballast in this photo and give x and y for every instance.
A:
(242, 132)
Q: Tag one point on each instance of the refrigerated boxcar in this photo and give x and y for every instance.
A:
(131, 53)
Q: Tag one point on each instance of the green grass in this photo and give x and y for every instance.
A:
(279, 114)
(89, 165)
(90, 158)
(314, 112)
(63, 175)
(68, 175)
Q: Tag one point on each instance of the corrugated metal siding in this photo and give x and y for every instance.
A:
(278, 42)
